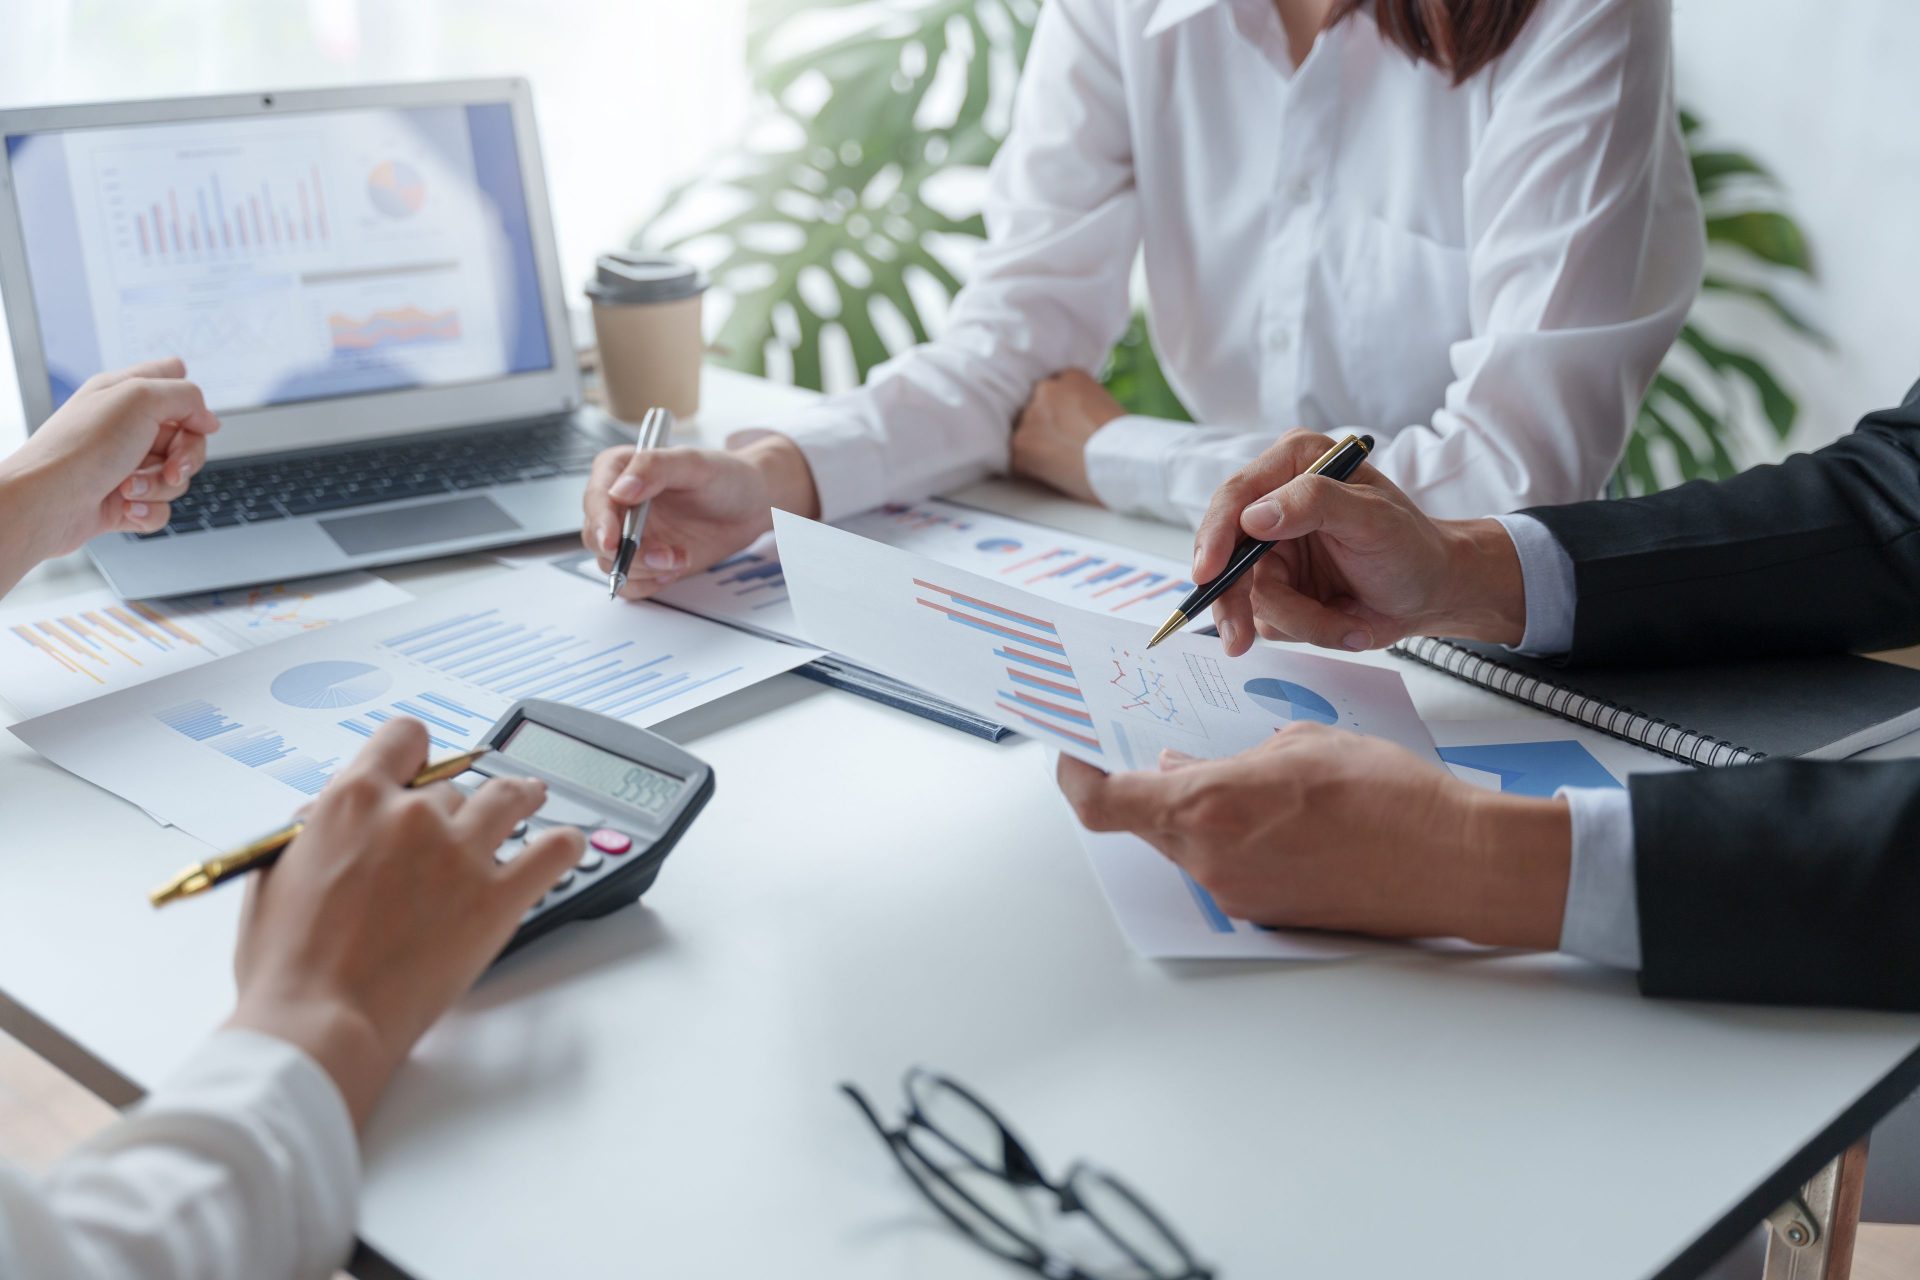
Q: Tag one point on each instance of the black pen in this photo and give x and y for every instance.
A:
(654, 429)
(1339, 462)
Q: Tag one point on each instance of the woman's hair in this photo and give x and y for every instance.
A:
(1458, 36)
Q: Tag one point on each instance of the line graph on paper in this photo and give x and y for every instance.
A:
(1145, 690)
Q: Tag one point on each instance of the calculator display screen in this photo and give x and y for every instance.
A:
(592, 769)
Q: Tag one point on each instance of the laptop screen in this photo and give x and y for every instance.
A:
(285, 257)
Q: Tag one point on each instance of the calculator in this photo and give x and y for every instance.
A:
(632, 792)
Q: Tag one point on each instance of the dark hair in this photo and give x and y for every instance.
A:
(1458, 36)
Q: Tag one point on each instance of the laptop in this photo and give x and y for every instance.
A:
(364, 283)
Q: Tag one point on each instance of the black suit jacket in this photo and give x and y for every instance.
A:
(1785, 881)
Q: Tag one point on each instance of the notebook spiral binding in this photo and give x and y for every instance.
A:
(1561, 700)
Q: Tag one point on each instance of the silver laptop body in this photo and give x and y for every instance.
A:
(364, 282)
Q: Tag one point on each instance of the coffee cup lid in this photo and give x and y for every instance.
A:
(625, 278)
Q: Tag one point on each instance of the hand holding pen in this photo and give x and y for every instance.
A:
(1215, 578)
(654, 430)
(1353, 565)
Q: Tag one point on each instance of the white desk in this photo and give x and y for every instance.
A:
(652, 1095)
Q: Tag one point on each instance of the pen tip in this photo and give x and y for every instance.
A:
(1167, 628)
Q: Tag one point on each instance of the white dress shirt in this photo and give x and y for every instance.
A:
(243, 1167)
(1602, 919)
(1484, 277)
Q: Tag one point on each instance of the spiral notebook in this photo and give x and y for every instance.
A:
(1823, 708)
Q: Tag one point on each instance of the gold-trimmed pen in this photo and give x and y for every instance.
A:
(203, 876)
(1339, 462)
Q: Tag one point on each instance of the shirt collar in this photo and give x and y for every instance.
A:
(1171, 13)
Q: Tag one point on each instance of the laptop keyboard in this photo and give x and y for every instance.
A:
(238, 493)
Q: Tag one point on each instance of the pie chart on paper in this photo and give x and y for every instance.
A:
(1294, 703)
(321, 686)
(1000, 546)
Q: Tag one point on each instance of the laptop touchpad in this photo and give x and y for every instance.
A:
(379, 531)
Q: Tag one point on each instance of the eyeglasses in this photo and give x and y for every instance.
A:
(965, 1160)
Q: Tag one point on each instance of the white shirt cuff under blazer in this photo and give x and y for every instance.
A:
(1602, 918)
(1484, 277)
(243, 1167)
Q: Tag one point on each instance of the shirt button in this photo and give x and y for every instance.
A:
(1301, 191)
(1281, 341)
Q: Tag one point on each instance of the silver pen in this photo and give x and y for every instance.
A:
(654, 429)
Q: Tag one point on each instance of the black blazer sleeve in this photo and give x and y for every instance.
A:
(1820, 554)
(1785, 882)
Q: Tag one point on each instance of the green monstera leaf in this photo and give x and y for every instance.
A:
(834, 234)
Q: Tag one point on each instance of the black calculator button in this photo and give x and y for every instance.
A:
(566, 878)
(591, 860)
(519, 830)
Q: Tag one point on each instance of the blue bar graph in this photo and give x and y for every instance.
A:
(198, 719)
(254, 747)
(303, 773)
(263, 749)
(520, 661)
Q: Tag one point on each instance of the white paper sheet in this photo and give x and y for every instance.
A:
(1081, 682)
(750, 590)
(228, 749)
(59, 652)
(1165, 915)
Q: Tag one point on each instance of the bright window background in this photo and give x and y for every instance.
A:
(632, 95)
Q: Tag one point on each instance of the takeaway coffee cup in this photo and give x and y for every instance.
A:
(646, 319)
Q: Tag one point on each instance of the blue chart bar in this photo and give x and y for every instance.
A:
(381, 717)
(262, 749)
(421, 714)
(255, 747)
(515, 661)
(303, 773)
(198, 720)
(448, 704)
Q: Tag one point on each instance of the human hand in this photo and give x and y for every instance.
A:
(113, 456)
(1322, 828)
(707, 504)
(1355, 564)
(1050, 437)
(385, 910)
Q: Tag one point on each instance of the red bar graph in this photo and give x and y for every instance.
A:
(191, 221)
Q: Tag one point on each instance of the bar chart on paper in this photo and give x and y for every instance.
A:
(1086, 572)
(231, 746)
(64, 651)
(1040, 687)
(750, 589)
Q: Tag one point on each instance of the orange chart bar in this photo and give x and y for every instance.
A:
(26, 633)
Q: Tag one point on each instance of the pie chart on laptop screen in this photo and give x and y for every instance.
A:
(319, 686)
(1291, 702)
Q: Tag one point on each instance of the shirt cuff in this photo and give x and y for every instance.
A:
(1546, 578)
(271, 1115)
(1602, 923)
(1127, 464)
(848, 464)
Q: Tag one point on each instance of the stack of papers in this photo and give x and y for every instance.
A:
(229, 749)
(65, 651)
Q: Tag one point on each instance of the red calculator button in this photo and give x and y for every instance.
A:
(612, 842)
